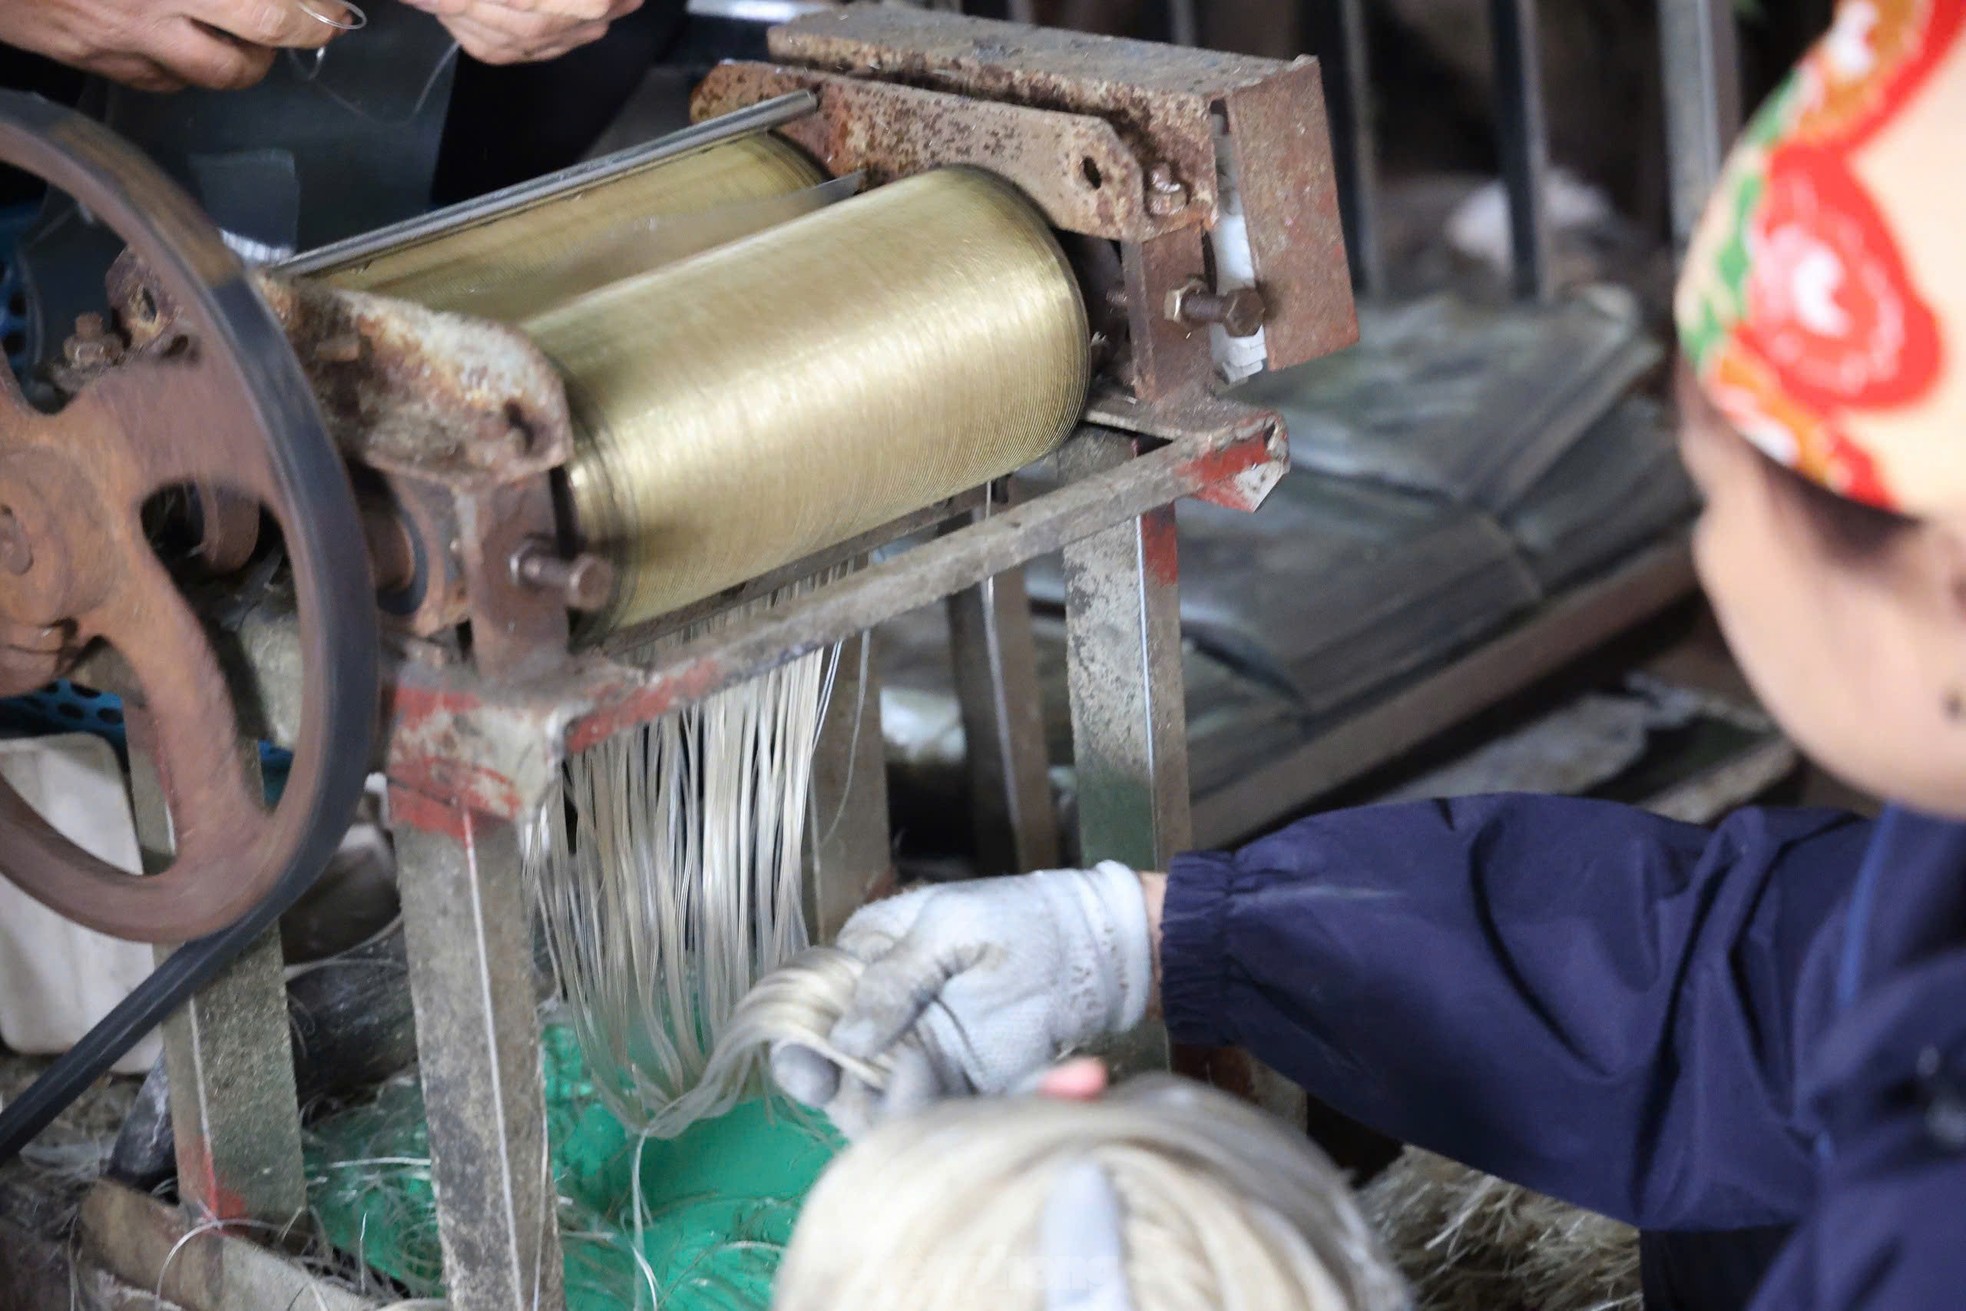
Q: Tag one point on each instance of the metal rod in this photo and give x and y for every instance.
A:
(176, 1257)
(1699, 55)
(850, 848)
(761, 117)
(1338, 35)
(1182, 27)
(996, 665)
(1523, 142)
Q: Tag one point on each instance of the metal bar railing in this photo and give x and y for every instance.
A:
(1522, 133)
(1336, 30)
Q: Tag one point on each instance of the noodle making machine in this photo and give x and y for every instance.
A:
(450, 501)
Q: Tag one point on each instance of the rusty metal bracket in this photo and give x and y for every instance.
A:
(461, 424)
(1113, 139)
(1074, 167)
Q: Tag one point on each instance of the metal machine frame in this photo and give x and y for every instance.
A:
(1120, 152)
(453, 433)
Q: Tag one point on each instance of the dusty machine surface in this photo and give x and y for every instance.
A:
(470, 537)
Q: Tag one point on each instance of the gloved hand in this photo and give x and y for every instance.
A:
(978, 987)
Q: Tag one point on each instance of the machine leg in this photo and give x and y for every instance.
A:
(1123, 640)
(1524, 143)
(852, 860)
(234, 1111)
(1129, 719)
(996, 663)
(1129, 738)
(468, 928)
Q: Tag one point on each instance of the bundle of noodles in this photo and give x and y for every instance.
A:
(668, 881)
(736, 412)
(1469, 1242)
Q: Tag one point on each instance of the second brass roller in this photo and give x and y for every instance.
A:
(756, 403)
(556, 250)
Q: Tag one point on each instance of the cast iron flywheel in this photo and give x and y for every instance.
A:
(225, 409)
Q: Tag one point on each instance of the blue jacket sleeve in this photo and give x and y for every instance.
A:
(1582, 997)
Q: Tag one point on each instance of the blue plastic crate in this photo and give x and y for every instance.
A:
(15, 327)
(65, 707)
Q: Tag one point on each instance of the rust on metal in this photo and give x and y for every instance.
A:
(583, 582)
(412, 390)
(1075, 168)
(210, 401)
(1158, 96)
(514, 626)
(1289, 190)
(1239, 311)
(463, 421)
(1163, 102)
(73, 485)
(1165, 358)
(1166, 196)
(1236, 483)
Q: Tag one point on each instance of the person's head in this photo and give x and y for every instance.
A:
(1163, 1195)
(1822, 317)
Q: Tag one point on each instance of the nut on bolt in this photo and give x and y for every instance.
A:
(1166, 196)
(583, 583)
(1239, 311)
(92, 346)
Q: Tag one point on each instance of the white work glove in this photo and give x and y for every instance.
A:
(978, 987)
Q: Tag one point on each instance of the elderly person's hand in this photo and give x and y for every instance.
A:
(526, 31)
(164, 45)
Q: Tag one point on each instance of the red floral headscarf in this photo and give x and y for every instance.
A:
(1824, 299)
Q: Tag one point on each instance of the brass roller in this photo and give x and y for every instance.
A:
(764, 400)
(522, 263)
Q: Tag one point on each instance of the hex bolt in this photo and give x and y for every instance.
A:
(1166, 196)
(92, 347)
(1239, 311)
(584, 583)
(16, 552)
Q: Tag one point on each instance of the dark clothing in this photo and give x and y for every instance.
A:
(21, 71)
(1706, 1269)
(1760, 1024)
(510, 123)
